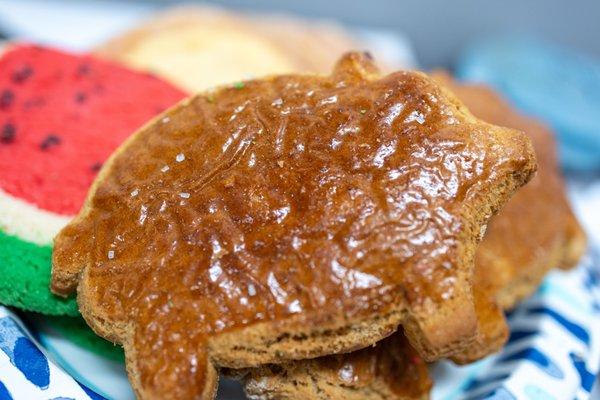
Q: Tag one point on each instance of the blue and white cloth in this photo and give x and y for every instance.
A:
(553, 352)
(26, 372)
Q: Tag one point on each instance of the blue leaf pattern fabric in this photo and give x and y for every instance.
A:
(4, 393)
(93, 395)
(30, 360)
(553, 351)
(23, 353)
(27, 360)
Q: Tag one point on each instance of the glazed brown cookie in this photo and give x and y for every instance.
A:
(289, 218)
(535, 232)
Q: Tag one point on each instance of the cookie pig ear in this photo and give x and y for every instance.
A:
(71, 253)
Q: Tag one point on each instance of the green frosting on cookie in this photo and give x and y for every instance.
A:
(25, 269)
(77, 332)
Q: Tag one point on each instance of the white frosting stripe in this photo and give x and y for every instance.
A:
(27, 221)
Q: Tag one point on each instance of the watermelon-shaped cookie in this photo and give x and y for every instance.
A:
(61, 116)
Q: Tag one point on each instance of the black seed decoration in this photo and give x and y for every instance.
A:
(50, 141)
(95, 167)
(6, 99)
(8, 133)
(83, 69)
(22, 74)
(80, 97)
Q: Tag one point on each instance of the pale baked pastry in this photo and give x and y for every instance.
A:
(198, 47)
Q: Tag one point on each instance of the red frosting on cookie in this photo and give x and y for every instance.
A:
(62, 115)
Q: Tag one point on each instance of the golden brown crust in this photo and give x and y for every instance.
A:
(132, 268)
(389, 369)
(576, 242)
(491, 325)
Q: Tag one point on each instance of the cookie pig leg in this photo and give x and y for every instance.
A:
(436, 331)
(168, 364)
(492, 330)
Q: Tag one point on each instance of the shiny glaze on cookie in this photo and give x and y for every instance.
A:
(526, 239)
(532, 233)
(288, 197)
